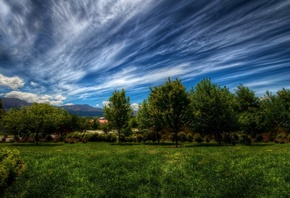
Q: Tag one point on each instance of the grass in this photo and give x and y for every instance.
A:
(151, 170)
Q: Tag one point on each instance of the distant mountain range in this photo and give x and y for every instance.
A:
(80, 110)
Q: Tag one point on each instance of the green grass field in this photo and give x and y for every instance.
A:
(144, 170)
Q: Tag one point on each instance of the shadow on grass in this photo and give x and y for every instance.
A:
(125, 144)
(207, 145)
(262, 144)
(228, 145)
(144, 144)
(39, 145)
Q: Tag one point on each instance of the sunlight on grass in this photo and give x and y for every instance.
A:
(104, 170)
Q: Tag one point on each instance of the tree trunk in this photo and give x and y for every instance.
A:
(218, 135)
(176, 139)
(36, 138)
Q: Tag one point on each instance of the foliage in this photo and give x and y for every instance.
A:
(105, 127)
(213, 109)
(169, 106)
(118, 112)
(10, 165)
(275, 110)
(37, 118)
(197, 137)
(181, 136)
(189, 137)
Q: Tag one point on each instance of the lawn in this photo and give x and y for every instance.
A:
(151, 170)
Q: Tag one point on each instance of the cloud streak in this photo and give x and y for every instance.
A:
(84, 50)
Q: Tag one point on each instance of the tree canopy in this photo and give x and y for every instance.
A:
(118, 112)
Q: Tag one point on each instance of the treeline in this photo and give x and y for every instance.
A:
(205, 112)
(213, 112)
(38, 121)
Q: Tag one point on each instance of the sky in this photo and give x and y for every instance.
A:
(79, 51)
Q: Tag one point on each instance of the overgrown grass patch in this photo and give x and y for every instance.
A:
(151, 170)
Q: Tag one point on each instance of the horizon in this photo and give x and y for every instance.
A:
(80, 52)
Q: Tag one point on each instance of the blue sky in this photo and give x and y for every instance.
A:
(80, 51)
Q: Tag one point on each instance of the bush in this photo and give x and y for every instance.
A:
(172, 137)
(197, 137)
(189, 137)
(48, 138)
(259, 138)
(10, 165)
(164, 138)
(181, 136)
(140, 138)
(207, 138)
(244, 138)
(281, 138)
(111, 138)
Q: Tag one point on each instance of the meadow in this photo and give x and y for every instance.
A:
(152, 170)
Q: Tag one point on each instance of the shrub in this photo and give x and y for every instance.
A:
(140, 138)
(281, 138)
(164, 138)
(197, 137)
(181, 136)
(10, 165)
(128, 139)
(172, 137)
(75, 135)
(207, 138)
(244, 138)
(259, 138)
(189, 137)
(111, 138)
(48, 138)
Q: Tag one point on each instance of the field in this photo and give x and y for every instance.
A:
(151, 170)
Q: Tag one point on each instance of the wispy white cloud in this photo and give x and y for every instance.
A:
(87, 49)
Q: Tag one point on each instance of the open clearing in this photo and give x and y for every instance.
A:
(151, 170)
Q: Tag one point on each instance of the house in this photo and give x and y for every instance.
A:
(103, 120)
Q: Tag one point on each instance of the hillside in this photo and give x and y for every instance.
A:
(80, 110)
(9, 103)
(83, 110)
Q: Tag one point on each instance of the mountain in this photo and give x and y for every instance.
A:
(80, 110)
(9, 103)
(84, 110)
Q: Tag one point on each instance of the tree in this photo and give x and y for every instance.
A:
(248, 110)
(213, 109)
(275, 110)
(169, 106)
(37, 118)
(118, 112)
(143, 116)
(12, 120)
(2, 113)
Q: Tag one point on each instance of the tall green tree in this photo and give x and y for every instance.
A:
(118, 112)
(275, 111)
(2, 112)
(169, 106)
(248, 110)
(213, 109)
(149, 121)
